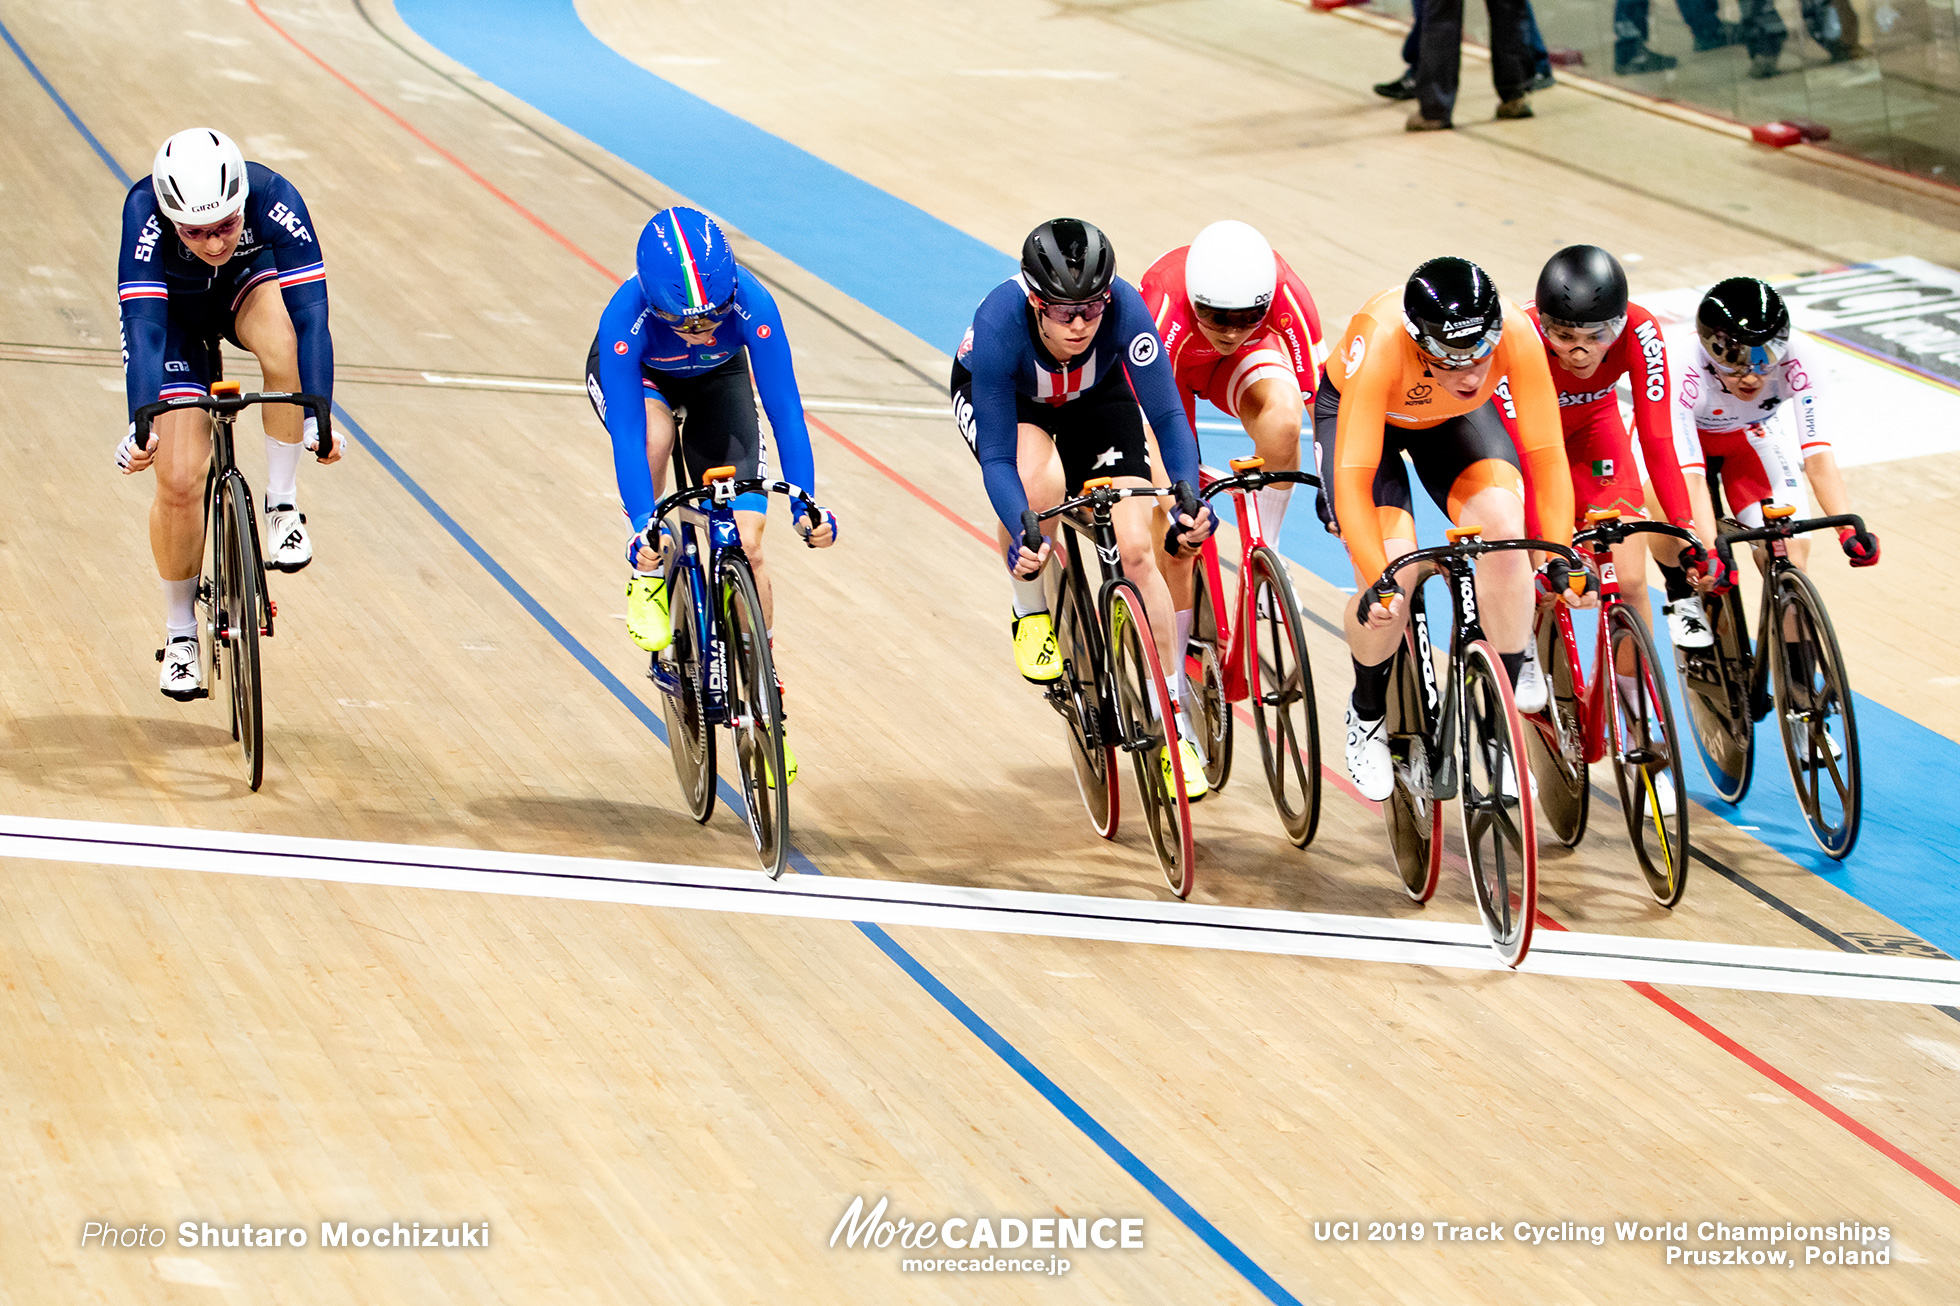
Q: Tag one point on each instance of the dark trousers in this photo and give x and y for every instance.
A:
(1541, 61)
(1630, 25)
(1763, 30)
(1439, 53)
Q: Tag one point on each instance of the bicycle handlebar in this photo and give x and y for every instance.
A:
(1385, 589)
(318, 406)
(748, 485)
(1612, 532)
(1784, 529)
(1105, 495)
(1256, 479)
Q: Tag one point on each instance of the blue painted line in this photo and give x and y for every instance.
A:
(1047, 1087)
(1081, 1119)
(62, 104)
(883, 252)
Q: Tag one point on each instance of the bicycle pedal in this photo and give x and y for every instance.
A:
(1641, 757)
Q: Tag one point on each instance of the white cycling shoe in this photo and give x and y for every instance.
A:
(182, 674)
(1507, 785)
(1686, 625)
(1663, 793)
(1530, 692)
(288, 546)
(1368, 759)
(1799, 725)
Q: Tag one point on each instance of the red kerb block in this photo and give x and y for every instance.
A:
(1776, 134)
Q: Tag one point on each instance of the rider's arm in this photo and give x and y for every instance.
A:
(1369, 367)
(1540, 435)
(999, 335)
(1653, 414)
(775, 378)
(144, 299)
(1297, 319)
(1155, 385)
(302, 274)
(622, 398)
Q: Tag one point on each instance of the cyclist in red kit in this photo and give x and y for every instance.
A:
(1241, 331)
(1593, 338)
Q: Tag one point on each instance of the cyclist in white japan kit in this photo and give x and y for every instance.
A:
(1747, 402)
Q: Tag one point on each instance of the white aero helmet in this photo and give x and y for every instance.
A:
(199, 177)
(1230, 267)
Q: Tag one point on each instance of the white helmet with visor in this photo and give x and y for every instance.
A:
(199, 178)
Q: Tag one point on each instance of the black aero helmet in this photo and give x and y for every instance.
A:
(1067, 261)
(1582, 286)
(1744, 325)
(1452, 312)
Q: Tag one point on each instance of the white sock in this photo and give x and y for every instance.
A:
(1179, 684)
(180, 607)
(1028, 595)
(281, 473)
(1272, 509)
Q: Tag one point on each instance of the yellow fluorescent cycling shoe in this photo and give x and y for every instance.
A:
(1034, 648)
(789, 762)
(646, 613)
(1195, 784)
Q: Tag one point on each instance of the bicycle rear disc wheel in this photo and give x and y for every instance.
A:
(1090, 753)
(1813, 693)
(1283, 707)
(241, 606)
(1144, 712)
(1500, 837)
(1555, 740)
(690, 738)
(755, 714)
(1414, 817)
(1715, 688)
(1644, 751)
(1204, 670)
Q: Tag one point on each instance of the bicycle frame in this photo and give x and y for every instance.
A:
(1776, 533)
(701, 534)
(1235, 632)
(1598, 540)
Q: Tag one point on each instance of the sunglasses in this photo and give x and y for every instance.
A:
(706, 319)
(1087, 310)
(216, 232)
(1570, 334)
(1230, 319)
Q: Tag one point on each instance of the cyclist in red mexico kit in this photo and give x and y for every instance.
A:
(1241, 331)
(1593, 338)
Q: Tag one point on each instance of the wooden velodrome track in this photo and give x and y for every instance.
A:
(649, 1104)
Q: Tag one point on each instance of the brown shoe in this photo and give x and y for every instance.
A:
(1418, 123)
(1518, 108)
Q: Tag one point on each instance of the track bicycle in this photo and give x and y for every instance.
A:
(1257, 653)
(719, 670)
(1728, 686)
(233, 608)
(1584, 722)
(1112, 692)
(1424, 722)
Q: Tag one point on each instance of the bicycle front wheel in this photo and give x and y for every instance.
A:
(1500, 836)
(1283, 706)
(1145, 715)
(1415, 818)
(1646, 761)
(1204, 663)
(1556, 739)
(1081, 704)
(1814, 705)
(690, 737)
(755, 713)
(1715, 687)
(241, 608)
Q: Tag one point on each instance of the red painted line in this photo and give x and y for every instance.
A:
(903, 483)
(1857, 1129)
(468, 171)
(1700, 1026)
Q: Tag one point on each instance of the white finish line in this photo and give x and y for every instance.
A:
(1005, 911)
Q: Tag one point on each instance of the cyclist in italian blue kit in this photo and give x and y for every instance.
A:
(672, 359)
(215, 247)
(1046, 388)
